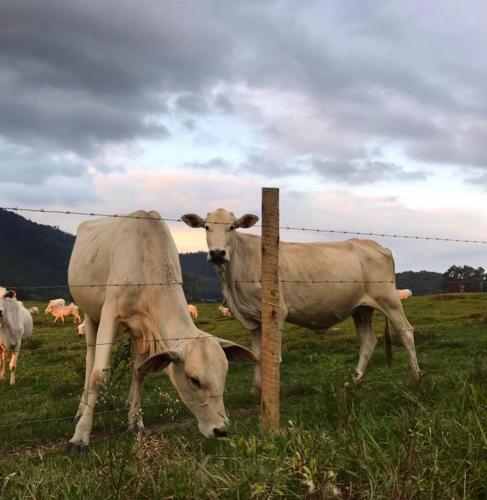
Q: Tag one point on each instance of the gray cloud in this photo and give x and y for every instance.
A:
(367, 172)
(79, 76)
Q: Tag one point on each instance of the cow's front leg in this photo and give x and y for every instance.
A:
(98, 379)
(134, 397)
(3, 361)
(90, 339)
(13, 364)
(256, 340)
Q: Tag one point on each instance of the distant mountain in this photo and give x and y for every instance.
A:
(36, 254)
(206, 287)
(33, 254)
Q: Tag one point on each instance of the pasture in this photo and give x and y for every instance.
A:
(383, 439)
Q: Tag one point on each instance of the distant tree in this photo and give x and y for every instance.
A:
(461, 279)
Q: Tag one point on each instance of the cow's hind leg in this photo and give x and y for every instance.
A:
(362, 318)
(90, 338)
(99, 376)
(392, 308)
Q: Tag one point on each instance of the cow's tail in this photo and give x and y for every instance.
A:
(388, 342)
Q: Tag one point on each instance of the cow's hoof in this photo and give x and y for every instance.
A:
(75, 448)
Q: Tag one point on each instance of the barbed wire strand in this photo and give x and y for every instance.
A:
(286, 228)
(180, 283)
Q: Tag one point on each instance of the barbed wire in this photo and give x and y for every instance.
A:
(286, 228)
(180, 283)
(89, 214)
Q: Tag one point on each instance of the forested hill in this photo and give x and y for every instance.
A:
(37, 254)
(34, 254)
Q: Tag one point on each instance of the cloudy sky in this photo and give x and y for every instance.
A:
(369, 115)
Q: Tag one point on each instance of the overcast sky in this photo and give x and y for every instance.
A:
(369, 115)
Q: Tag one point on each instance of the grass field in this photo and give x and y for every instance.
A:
(384, 439)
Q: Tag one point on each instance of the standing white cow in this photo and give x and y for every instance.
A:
(131, 251)
(322, 284)
(15, 326)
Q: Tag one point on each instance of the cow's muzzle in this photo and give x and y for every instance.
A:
(220, 432)
(217, 257)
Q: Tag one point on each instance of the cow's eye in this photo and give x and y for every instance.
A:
(207, 228)
(195, 382)
(232, 228)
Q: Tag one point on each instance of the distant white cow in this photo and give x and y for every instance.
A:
(15, 326)
(65, 311)
(33, 310)
(322, 284)
(193, 310)
(135, 250)
(405, 294)
(225, 311)
(54, 303)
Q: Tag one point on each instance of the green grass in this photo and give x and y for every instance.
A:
(384, 439)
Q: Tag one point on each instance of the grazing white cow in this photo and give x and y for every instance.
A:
(225, 311)
(405, 294)
(54, 303)
(310, 294)
(131, 251)
(193, 310)
(33, 310)
(82, 328)
(15, 326)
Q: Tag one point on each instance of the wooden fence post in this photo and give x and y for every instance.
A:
(271, 336)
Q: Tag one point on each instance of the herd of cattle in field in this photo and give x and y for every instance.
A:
(321, 285)
(16, 331)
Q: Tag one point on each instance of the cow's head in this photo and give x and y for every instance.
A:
(220, 228)
(198, 368)
(9, 311)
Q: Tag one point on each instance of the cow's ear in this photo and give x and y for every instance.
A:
(237, 353)
(193, 220)
(247, 220)
(10, 294)
(157, 362)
